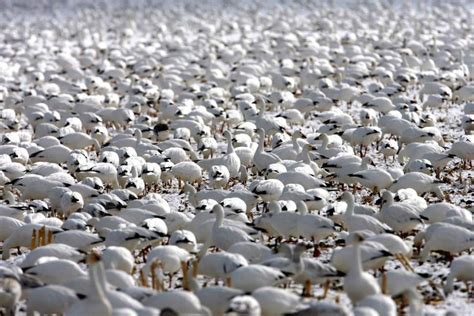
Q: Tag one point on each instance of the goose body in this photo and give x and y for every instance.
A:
(462, 269)
(355, 222)
(254, 276)
(399, 216)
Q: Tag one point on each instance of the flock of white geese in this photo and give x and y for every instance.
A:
(248, 158)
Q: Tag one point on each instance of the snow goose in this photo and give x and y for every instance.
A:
(177, 302)
(341, 173)
(79, 140)
(329, 152)
(251, 277)
(399, 282)
(55, 271)
(8, 225)
(355, 222)
(50, 299)
(364, 136)
(57, 154)
(312, 226)
(275, 301)
(448, 238)
(269, 125)
(376, 179)
(439, 161)
(104, 171)
(184, 239)
(218, 176)
(151, 174)
(462, 269)
(394, 244)
(253, 252)
(219, 265)
(463, 149)
(170, 258)
(410, 196)
(225, 236)
(401, 217)
(60, 251)
(187, 171)
(231, 160)
(268, 190)
(382, 304)
(290, 151)
(262, 159)
(288, 258)
(10, 292)
(359, 284)
(419, 165)
(278, 223)
(70, 202)
(307, 181)
(389, 148)
(373, 255)
(97, 303)
(438, 212)
(22, 237)
(129, 236)
(119, 258)
(77, 239)
(244, 305)
(418, 151)
(380, 104)
(420, 182)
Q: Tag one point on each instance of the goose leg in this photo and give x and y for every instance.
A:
(143, 279)
(326, 289)
(307, 289)
(33, 239)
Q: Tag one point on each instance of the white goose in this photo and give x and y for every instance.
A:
(219, 265)
(357, 283)
(382, 304)
(251, 277)
(225, 236)
(79, 140)
(118, 258)
(462, 269)
(420, 182)
(400, 217)
(312, 226)
(376, 179)
(56, 271)
(355, 222)
(268, 190)
(97, 303)
(104, 171)
(275, 301)
(253, 252)
(187, 171)
(50, 299)
(244, 305)
(262, 159)
(449, 238)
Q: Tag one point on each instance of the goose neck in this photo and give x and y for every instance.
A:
(350, 207)
(357, 263)
(99, 285)
(294, 140)
(139, 137)
(230, 147)
(219, 217)
(261, 142)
